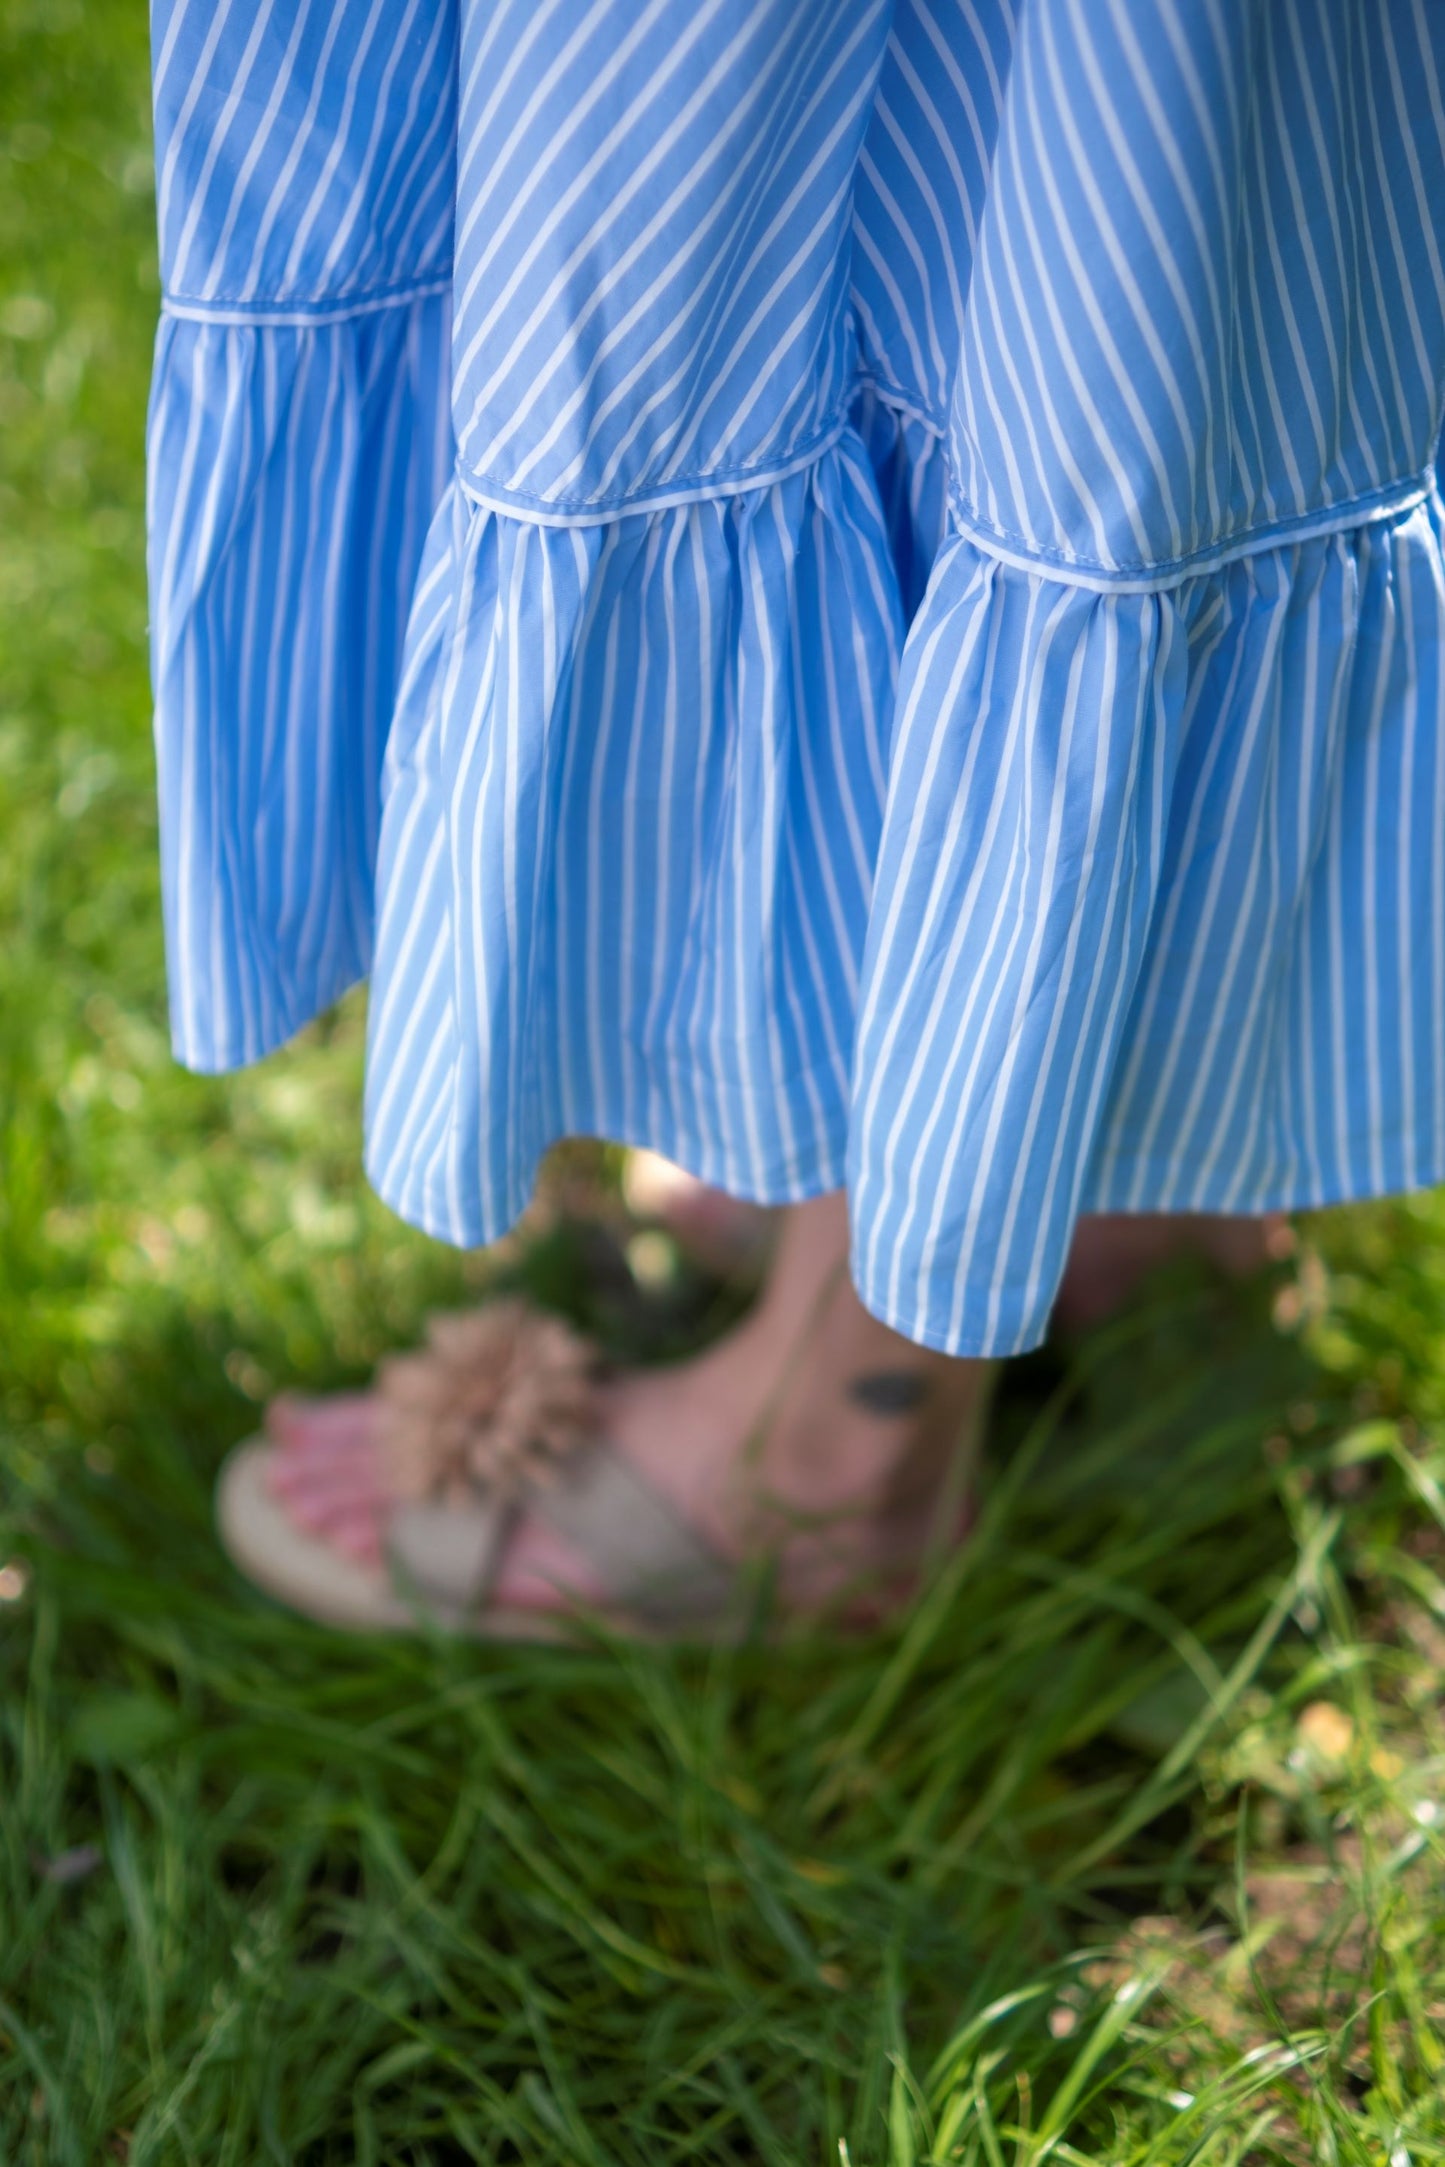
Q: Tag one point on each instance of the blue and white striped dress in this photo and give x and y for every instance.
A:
(847, 590)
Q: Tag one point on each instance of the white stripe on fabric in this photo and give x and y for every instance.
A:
(897, 629)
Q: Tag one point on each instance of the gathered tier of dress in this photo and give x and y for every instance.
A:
(854, 593)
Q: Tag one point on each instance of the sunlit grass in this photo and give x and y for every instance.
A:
(1126, 1846)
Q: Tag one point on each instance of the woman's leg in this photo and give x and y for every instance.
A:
(1111, 1253)
(1114, 1252)
(811, 1432)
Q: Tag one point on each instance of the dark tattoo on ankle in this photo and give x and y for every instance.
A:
(889, 1391)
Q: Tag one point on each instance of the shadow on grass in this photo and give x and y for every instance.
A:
(413, 1899)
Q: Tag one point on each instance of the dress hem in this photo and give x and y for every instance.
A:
(823, 1176)
(218, 1058)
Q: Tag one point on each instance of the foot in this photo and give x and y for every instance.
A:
(812, 1434)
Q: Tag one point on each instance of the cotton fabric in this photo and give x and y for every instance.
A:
(847, 591)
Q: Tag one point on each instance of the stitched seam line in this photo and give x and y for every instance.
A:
(332, 309)
(1390, 499)
(687, 488)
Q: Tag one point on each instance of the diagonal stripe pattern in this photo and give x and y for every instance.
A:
(848, 591)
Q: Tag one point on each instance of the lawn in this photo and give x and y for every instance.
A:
(1126, 1846)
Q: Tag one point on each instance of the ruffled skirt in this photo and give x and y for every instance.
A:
(840, 808)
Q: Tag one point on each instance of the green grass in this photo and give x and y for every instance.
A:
(1126, 1846)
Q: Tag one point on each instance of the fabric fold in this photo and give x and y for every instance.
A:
(294, 467)
(907, 451)
(633, 800)
(1096, 349)
(1159, 918)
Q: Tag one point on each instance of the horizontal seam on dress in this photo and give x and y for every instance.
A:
(690, 488)
(889, 394)
(268, 315)
(1392, 499)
